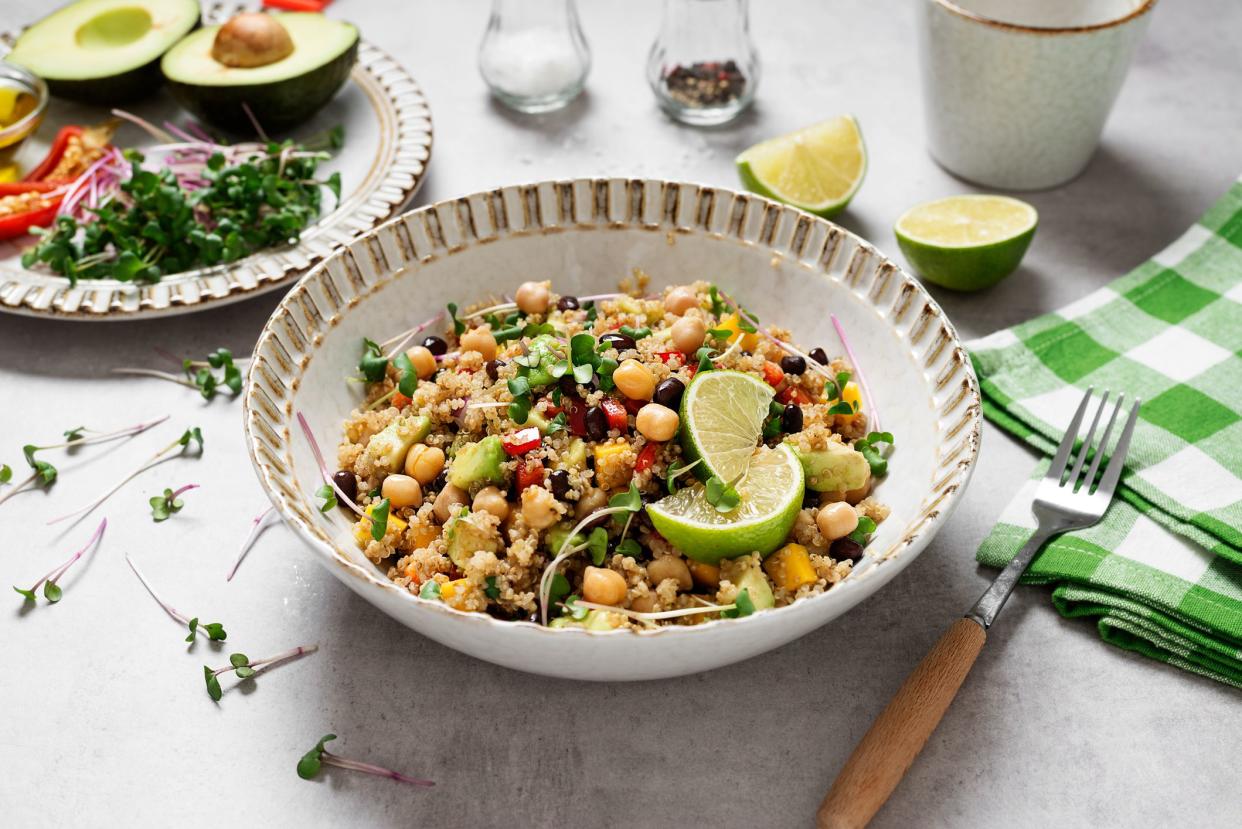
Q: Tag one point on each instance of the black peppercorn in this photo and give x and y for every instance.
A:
(596, 423)
(493, 368)
(791, 419)
(559, 482)
(567, 303)
(347, 483)
(793, 364)
(618, 340)
(819, 355)
(844, 548)
(668, 392)
(436, 345)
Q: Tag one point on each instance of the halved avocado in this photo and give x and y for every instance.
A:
(281, 94)
(104, 51)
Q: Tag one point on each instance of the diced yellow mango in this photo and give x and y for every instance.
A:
(363, 529)
(604, 451)
(423, 535)
(790, 567)
(733, 324)
(453, 593)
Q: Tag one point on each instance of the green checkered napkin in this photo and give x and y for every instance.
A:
(1162, 572)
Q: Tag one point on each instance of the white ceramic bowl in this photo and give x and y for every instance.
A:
(788, 267)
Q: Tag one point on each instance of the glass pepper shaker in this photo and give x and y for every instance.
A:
(703, 67)
(534, 57)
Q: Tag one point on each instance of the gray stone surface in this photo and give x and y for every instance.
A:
(104, 718)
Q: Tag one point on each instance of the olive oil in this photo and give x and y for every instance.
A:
(17, 101)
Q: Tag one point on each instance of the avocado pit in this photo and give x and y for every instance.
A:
(251, 39)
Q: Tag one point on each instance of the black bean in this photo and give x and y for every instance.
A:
(819, 355)
(567, 303)
(810, 499)
(597, 423)
(440, 480)
(568, 385)
(844, 548)
(668, 392)
(347, 483)
(493, 369)
(618, 340)
(791, 419)
(559, 481)
(436, 345)
(793, 364)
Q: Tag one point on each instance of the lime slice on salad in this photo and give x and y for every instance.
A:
(818, 168)
(771, 496)
(721, 419)
(966, 242)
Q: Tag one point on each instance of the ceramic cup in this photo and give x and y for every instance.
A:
(1016, 92)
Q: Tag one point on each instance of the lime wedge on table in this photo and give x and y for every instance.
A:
(817, 169)
(771, 496)
(966, 242)
(721, 419)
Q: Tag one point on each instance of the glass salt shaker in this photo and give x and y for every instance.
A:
(534, 57)
(703, 67)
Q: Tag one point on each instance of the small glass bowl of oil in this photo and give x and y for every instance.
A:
(23, 100)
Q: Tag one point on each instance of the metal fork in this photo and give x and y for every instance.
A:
(1062, 502)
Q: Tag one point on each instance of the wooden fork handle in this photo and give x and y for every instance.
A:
(897, 736)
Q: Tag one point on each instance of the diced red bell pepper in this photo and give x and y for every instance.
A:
(632, 406)
(793, 394)
(772, 374)
(530, 474)
(575, 413)
(647, 457)
(552, 410)
(400, 400)
(521, 441)
(618, 418)
(669, 356)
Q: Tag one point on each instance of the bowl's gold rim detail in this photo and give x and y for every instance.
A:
(400, 246)
(396, 173)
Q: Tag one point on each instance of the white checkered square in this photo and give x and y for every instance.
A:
(1178, 353)
(1092, 301)
(1055, 407)
(1151, 544)
(1186, 244)
(1200, 482)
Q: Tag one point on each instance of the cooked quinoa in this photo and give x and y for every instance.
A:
(504, 444)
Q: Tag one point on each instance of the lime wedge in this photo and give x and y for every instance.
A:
(966, 242)
(817, 169)
(771, 496)
(721, 419)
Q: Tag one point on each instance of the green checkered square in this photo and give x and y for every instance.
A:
(1162, 572)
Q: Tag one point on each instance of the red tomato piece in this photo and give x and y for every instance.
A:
(530, 474)
(647, 457)
(793, 394)
(632, 406)
(521, 441)
(772, 374)
(575, 412)
(617, 417)
(670, 356)
(400, 400)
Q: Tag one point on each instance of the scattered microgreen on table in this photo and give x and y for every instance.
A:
(258, 524)
(313, 761)
(51, 589)
(163, 506)
(214, 630)
(243, 667)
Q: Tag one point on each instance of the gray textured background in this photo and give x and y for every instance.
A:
(103, 719)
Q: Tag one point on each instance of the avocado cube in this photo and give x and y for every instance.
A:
(479, 463)
(756, 585)
(836, 468)
(387, 448)
(465, 535)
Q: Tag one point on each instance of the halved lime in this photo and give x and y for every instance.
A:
(771, 496)
(721, 419)
(818, 168)
(967, 242)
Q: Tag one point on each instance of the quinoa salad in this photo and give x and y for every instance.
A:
(634, 459)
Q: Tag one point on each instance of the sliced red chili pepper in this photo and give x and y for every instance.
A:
(49, 162)
(575, 411)
(43, 214)
(647, 457)
(400, 400)
(297, 5)
(793, 394)
(521, 441)
(617, 417)
(632, 406)
(530, 474)
(772, 374)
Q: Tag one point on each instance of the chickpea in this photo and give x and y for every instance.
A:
(490, 499)
(450, 499)
(423, 360)
(670, 567)
(539, 508)
(423, 463)
(646, 603)
(532, 297)
(634, 380)
(688, 334)
(836, 520)
(603, 586)
(590, 501)
(680, 300)
(705, 574)
(656, 422)
(481, 340)
(402, 491)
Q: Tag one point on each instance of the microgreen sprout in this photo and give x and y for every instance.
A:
(6, 473)
(323, 467)
(749, 323)
(184, 445)
(163, 506)
(576, 611)
(491, 590)
(743, 606)
(631, 501)
(51, 589)
(214, 630)
(45, 474)
(258, 524)
(519, 409)
(867, 446)
(373, 363)
(379, 519)
(397, 344)
(545, 581)
(198, 374)
(459, 327)
(246, 668)
(407, 377)
(721, 495)
(328, 494)
(866, 526)
(429, 590)
(318, 757)
(675, 470)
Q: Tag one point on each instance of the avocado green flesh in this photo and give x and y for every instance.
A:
(281, 94)
(478, 464)
(104, 51)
